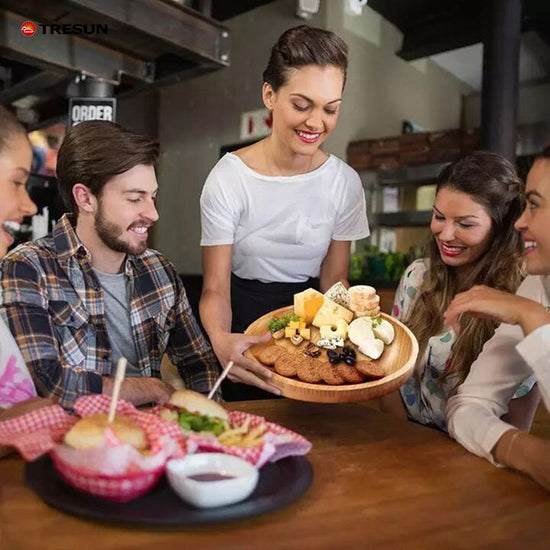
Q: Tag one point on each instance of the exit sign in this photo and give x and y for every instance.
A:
(255, 124)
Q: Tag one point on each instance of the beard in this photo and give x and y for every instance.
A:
(110, 232)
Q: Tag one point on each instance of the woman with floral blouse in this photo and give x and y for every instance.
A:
(474, 243)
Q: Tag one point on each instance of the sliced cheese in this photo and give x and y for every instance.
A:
(360, 329)
(302, 331)
(384, 331)
(371, 347)
(307, 303)
(330, 312)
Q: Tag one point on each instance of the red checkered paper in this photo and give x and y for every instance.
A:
(117, 471)
(277, 442)
(37, 432)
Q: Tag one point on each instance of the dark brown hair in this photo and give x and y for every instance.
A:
(9, 126)
(301, 46)
(94, 152)
(491, 181)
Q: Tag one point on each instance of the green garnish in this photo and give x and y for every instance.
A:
(376, 321)
(201, 423)
(278, 323)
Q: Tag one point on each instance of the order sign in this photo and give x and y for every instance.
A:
(89, 108)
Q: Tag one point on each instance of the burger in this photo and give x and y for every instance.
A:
(196, 413)
(89, 432)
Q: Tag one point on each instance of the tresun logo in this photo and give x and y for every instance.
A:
(28, 28)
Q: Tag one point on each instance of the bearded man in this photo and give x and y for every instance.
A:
(92, 292)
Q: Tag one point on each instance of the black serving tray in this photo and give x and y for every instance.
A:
(280, 483)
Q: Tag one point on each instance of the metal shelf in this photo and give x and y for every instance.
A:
(421, 174)
(418, 218)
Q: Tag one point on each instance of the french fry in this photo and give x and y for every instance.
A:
(254, 438)
(242, 436)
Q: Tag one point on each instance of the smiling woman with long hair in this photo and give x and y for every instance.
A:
(474, 242)
(17, 392)
(520, 347)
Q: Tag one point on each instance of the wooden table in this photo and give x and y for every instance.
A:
(378, 482)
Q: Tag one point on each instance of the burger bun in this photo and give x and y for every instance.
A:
(89, 432)
(197, 403)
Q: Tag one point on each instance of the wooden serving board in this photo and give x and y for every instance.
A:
(398, 360)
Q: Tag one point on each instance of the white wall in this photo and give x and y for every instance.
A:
(533, 106)
(383, 89)
(199, 116)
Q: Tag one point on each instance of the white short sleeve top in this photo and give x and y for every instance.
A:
(281, 227)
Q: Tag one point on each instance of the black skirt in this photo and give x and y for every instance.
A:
(251, 299)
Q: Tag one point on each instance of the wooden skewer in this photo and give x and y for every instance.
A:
(220, 378)
(119, 377)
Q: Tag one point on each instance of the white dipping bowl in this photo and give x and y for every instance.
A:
(208, 494)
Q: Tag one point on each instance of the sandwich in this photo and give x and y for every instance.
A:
(196, 413)
(90, 432)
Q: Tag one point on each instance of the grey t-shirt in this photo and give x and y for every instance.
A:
(117, 318)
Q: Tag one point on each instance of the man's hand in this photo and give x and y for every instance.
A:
(482, 301)
(230, 347)
(140, 390)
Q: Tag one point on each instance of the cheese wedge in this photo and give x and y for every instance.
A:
(339, 330)
(307, 303)
(338, 293)
(330, 312)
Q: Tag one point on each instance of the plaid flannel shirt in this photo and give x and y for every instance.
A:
(53, 303)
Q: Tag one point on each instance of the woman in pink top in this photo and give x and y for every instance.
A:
(17, 392)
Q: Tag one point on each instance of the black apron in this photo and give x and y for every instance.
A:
(250, 299)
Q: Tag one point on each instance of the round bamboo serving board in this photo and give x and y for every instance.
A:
(398, 360)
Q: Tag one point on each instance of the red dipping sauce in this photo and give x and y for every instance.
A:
(210, 476)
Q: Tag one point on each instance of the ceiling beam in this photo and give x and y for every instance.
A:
(68, 52)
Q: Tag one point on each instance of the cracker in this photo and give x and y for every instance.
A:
(308, 370)
(267, 354)
(329, 373)
(350, 374)
(285, 364)
(371, 369)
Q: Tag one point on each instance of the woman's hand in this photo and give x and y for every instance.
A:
(538, 465)
(482, 301)
(526, 453)
(230, 347)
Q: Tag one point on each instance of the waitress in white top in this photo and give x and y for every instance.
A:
(520, 347)
(278, 216)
